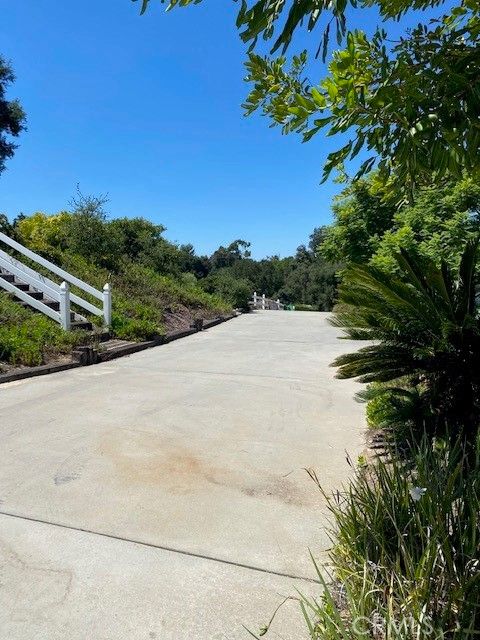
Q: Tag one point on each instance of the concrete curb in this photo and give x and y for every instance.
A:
(128, 349)
(113, 354)
(33, 372)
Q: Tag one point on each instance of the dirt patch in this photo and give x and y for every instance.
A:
(178, 316)
(6, 367)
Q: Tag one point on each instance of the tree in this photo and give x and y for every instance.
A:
(227, 256)
(236, 291)
(136, 236)
(368, 227)
(363, 212)
(44, 234)
(317, 238)
(262, 17)
(437, 226)
(88, 235)
(310, 279)
(413, 105)
(424, 331)
(5, 226)
(12, 116)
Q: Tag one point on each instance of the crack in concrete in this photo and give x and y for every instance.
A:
(151, 545)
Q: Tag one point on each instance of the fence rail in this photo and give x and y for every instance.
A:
(52, 291)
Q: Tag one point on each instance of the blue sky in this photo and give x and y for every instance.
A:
(148, 109)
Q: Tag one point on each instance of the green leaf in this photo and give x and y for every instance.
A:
(318, 98)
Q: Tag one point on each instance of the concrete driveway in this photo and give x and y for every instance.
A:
(163, 496)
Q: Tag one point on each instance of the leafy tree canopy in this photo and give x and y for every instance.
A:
(12, 116)
(411, 105)
(227, 256)
(270, 19)
(363, 212)
(44, 234)
(369, 228)
(437, 227)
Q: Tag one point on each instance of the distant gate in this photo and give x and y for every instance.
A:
(262, 302)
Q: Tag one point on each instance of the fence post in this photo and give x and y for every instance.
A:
(254, 299)
(107, 305)
(65, 306)
(263, 301)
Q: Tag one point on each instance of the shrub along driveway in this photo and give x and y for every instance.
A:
(164, 495)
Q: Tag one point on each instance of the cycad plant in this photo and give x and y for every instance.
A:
(424, 332)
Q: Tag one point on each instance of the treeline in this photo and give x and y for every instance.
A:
(306, 279)
(369, 227)
(230, 272)
(154, 281)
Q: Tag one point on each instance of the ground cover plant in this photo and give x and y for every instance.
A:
(28, 338)
(146, 303)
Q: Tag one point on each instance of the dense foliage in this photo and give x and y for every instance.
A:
(306, 278)
(12, 116)
(424, 334)
(363, 213)
(369, 228)
(157, 284)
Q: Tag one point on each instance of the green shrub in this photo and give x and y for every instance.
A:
(133, 328)
(132, 320)
(378, 411)
(141, 296)
(236, 291)
(424, 334)
(305, 307)
(27, 338)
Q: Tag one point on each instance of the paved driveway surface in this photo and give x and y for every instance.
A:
(163, 496)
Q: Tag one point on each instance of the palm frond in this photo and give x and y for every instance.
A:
(423, 327)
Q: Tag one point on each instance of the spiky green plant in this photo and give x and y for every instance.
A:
(406, 554)
(424, 329)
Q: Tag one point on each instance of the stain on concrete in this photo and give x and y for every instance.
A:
(279, 488)
(64, 479)
(145, 458)
(44, 585)
(71, 467)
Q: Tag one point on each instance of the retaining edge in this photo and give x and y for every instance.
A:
(118, 352)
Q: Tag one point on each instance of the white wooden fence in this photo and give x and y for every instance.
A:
(264, 303)
(52, 291)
